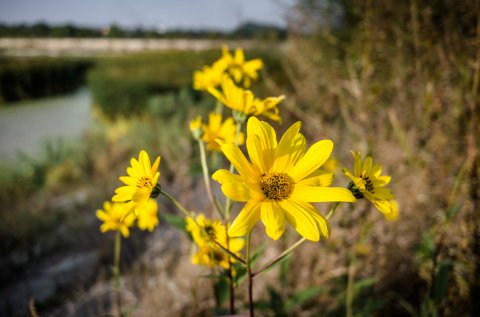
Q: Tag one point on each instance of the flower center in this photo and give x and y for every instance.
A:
(145, 182)
(276, 186)
(368, 184)
(210, 232)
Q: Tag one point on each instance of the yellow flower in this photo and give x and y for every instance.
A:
(196, 127)
(209, 76)
(367, 182)
(225, 131)
(205, 232)
(115, 217)
(241, 69)
(140, 184)
(280, 182)
(393, 214)
(244, 101)
(148, 216)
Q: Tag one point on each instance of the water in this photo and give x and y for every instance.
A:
(26, 126)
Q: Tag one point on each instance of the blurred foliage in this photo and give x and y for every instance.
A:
(133, 84)
(29, 78)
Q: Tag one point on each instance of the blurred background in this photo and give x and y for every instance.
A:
(85, 85)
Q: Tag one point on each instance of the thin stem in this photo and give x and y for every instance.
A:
(177, 204)
(230, 280)
(206, 178)
(293, 247)
(250, 277)
(116, 271)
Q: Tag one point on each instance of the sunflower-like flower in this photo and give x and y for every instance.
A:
(115, 217)
(216, 129)
(239, 68)
(140, 184)
(206, 233)
(196, 128)
(280, 182)
(243, 101)
(209, 76)
(148, 217)
(367, 182)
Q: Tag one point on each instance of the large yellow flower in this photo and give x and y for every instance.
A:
(239, 68)
(140, 183)
(148, 216)
(115, 217)
(209, 76)
(205, 232)
(244, 101)
(367, 182)
(216, 129)
(280, 182)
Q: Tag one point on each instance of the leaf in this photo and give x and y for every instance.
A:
(302, 296)
(222, 290)
(440, 286)
(174, 220)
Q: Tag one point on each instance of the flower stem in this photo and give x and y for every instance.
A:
(230, 280)
(116, 271)
(206, 178)
(177, 204)
(250, 277)
(293, 247)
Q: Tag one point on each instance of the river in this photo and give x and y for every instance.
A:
(26, 126)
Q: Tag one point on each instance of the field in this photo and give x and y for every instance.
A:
(406, 93)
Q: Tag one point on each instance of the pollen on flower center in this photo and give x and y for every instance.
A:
(210, 232)
(368, 184)
(144, 182)
(276, 186)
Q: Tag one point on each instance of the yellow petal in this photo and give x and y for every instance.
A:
(273, 217)
(291, 147)
(312, 160)
(236, 157)
(302, 219)
(318, 178)
(246, 219)
(128, 180)
(145, 162)
(124, 193)
(321, 194)
(261, 143)
(383, 206)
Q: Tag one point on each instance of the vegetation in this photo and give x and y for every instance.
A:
(30, 78)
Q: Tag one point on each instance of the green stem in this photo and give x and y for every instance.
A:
(206, 178)
(293, 247)
(230, 280)
(250, 277)
(116, 271)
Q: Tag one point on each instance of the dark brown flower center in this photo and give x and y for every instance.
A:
(210, 232)
(276, 186)
(368, 184)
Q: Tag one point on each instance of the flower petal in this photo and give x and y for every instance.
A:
(273, 217)
(291, 147)
(246, 219)
(261, 143)
(239, 161)
(304, 218)
(318, 194)
(318, 178)
(312, 160)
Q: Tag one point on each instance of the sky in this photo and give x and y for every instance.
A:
(160, 14)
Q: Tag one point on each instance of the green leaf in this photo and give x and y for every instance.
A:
(222, 290)
(440, 286)
(174, 220)
(302, 296)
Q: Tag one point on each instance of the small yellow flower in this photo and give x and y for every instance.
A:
(140, 184)
(216, 129)
(205, 232)
(367, 182)
(241, 69)
(209, 76)
(280, 182)
(241, 100)
(115, 217)
(196, 128)
(148, 216)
